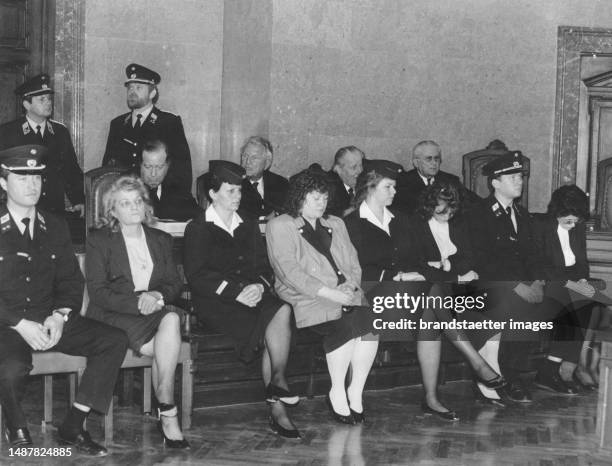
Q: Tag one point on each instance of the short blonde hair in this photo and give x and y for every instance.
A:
(123, 183)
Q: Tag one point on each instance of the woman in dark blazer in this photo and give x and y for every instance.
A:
(397, 257)
(231, 284)
(131, 276)
(318, 273)
(560, 238)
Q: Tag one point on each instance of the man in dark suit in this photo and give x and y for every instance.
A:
(63, 175)
(169, 201)
(144, 122)
(41, 294)
(348, 164)
(426, 158)
(263, 192)
(504, 256)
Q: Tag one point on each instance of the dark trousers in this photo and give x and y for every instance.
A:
(103, 345)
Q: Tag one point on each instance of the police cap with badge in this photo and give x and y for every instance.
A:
(136, 73)
(384, 168)
(37, 85)
(23, 160)
(504, 164)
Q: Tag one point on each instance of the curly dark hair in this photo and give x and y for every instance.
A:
(569, 200)
(305, 182)
(439, 191)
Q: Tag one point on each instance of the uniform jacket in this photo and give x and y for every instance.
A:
(109, 277)
(63, 175)
(339, 198)
(275, 192)
(391, 254)
(175, 203)
(301, 271)
(410, 185)
(426, 250)
(499, 254)
(124, 144)
(218, 266)
(47, 277)
(551, 266)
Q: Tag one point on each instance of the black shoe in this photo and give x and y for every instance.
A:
(341, 418)
(585, 386)
(514, 391)
(554, 383)
(495, 383)
(481, 398)
(280, 430)
(18, 437)
(445, 415)
(83, 443)
(358, 417)
(182, 444)
(276, 393)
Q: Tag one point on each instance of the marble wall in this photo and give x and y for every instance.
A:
(182, 40)
(385, 74)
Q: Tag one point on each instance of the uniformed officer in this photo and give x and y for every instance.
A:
(143, 122)
(41, 293)
(504, 256)
(63, 175)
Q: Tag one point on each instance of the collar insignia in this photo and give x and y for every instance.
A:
(127, 119)
(50, 128)
(26, 128)
(153, 117)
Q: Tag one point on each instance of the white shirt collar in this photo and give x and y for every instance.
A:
(17, 219)
(212, 216)
(366, 212)
(142, 111)
(425, 179)
(33, 125)
(347, 187)
(260, 185)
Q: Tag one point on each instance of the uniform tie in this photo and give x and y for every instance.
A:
(138, 121)
(40, 136)
(509, 212)
(351, 193)
(26, 232)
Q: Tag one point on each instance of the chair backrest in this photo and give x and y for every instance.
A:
(97, 182)
(475, 181)
(201, 191)
(604, 194)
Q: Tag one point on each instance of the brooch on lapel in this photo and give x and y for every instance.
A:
(497, 210)
(26, 128)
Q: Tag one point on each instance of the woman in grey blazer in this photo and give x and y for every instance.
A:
(131, 276)
(317, 271)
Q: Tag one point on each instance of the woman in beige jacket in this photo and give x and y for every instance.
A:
(318, 273)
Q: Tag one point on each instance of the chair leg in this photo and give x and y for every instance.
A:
(146, 390)
(186, 393)
(48, 399)
(72, 386)
(108, 424)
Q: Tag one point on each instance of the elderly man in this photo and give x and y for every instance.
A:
(41, 293)
(169, 201)
(426, 158)
(144, 122)
(263, 192)
(63, 175)
(348, 164)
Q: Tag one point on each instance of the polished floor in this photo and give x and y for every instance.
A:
(553, 431)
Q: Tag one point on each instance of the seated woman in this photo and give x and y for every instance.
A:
(318, 273)
(560, 237)
(230, 278)
(400, 250)
(131, 276)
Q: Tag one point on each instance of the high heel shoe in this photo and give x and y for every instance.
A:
(280, 430)
(444, 415)
(359, 418)
(276, 393)
(586, 386)
(498, 403)
(341, 418)
(494, 383)
(167, 410)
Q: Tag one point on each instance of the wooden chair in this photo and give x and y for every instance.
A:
(201, 191)
(97, 182)
(475, 181)
(604, 194)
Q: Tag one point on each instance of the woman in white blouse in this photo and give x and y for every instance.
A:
(386, 249)
(131, 279)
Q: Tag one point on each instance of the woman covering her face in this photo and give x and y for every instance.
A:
(131, 279)
(318, 273)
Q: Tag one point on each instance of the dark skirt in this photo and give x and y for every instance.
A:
(246, 326)
(139, 328)
(355, 322)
